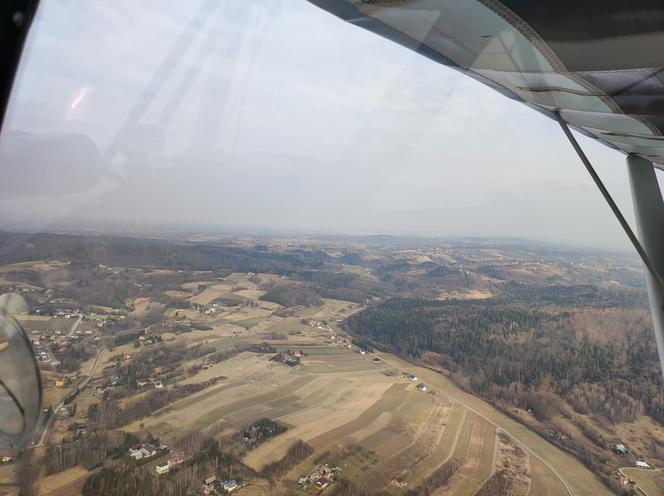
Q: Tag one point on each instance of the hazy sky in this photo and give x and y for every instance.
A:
(277, 115)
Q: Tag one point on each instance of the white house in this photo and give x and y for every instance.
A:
(162, 468)
(139, 451)
(136, 454)
(230, 485)
(620, 448)
(642, 464)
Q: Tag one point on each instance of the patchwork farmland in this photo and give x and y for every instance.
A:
(367, 419)
(358, 411)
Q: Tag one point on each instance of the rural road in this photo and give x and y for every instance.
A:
(645, 493)
(39, 441)
(75, 325)
(72, 330)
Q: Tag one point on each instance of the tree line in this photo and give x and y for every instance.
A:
(511, 353)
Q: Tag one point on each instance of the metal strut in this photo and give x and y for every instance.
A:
(647, 261)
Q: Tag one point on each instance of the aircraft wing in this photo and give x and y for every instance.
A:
(600, 64)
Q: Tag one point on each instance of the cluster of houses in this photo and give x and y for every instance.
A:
(288, 357)
(43, 342)
(624, 480)
(260, 431)
(142, 450)
(147, 339)
(621, 449)
(55, 335)
(413, 378)
(66, 411)
(320, 478)
(316, 324)
(145, 382)
(341, 342)
(145, 450)
(45, 357)
(81, 429)
(213, 307)
(112, 382)
(212, 485)
(399, 481)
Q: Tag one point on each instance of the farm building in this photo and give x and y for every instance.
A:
(177, 459)
(620, 448)
(398, 481)
(230, 485)
(141, 450)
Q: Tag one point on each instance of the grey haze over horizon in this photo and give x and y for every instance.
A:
(277, 116)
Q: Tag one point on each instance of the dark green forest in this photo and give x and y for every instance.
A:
(513, 350)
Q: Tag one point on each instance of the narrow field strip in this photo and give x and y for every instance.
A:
(216, 414)
(391, 398)
(444, 447)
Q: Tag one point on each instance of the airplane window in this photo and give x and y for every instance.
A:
(337, 247)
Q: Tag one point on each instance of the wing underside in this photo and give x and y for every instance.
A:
(597, 63)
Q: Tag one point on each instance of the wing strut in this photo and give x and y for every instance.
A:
(616, 211)
(649, 212)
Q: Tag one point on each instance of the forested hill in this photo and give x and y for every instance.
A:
(152, 253)
(498, 344)
(537, 357)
